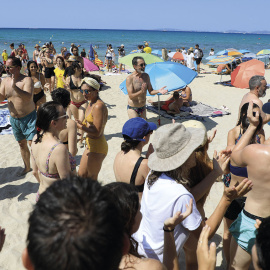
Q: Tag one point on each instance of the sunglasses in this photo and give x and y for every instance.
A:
(143, 65)
(86, 91)
(63, 116)
(9, 67)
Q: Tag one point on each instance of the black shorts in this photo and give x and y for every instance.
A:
(49, 72)
(235, 208)
(198, 60)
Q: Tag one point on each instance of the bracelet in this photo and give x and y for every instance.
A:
(166, 230)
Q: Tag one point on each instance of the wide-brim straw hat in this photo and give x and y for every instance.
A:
(36, 46)
(173, 145)
(196, 124)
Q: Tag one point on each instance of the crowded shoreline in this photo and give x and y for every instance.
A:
(18, 194)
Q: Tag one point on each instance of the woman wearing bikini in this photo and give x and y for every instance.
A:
(36, 53)
(129, 166)
(78, 102)
(50, 158)
(39, 82)
(96, 117)
(47, 61)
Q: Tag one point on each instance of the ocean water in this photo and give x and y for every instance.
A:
(131, 39)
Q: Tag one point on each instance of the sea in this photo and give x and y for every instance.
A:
(131, 39)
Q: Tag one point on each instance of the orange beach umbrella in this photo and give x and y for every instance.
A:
(178, 56)
(241, 75)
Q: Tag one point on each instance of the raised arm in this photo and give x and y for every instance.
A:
(2, 91)
(239, 152)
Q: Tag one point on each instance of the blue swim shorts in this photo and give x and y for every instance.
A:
(244, 231)
(24, 127)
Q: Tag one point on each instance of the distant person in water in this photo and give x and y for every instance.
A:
(137, 85)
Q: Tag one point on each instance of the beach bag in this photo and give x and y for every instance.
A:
(200, 53)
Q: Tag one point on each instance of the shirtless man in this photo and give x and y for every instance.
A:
(256, 157)
(75, 52)
(257, 86)
(18, 90)
(137, 84)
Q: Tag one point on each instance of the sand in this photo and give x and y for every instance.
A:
(17, 194)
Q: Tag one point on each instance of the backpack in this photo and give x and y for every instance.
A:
(200, 53)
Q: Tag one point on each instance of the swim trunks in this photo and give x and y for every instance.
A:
(198, 60)
(24, 127)
(78, 104)
(244, 231)
(38, 96)
(138, 110)
(49, 72)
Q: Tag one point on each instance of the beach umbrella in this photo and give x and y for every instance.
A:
(157, 52)
(148, 58)
(250, 55)
(170, 74)
(262, 52)
(89, 66)
(241, 75)
(220, 60)
(178, 56)
(234, 53)
(224, 52)
(231, 50)
(210, 57)
(244, 51)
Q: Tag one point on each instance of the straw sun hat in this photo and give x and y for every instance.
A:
(173, 144)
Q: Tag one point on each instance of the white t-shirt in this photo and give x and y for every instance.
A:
(196, 53)
(164, 198)
(190, 61)
(212, 53)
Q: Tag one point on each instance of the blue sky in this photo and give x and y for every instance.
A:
(198, 15)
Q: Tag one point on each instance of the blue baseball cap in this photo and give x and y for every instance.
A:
(266, 108)
(136, 128)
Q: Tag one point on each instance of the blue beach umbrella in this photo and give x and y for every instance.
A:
(210, 57)
(224, 52)
(171, 74)
(157, 52)
(244, 51)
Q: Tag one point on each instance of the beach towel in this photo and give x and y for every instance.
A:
(225, 83)
(196, 111)
(5, 127)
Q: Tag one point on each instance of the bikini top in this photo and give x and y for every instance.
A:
(38, 83)
(72, 85)
(72, 162)
(241, 171)
(134, 174)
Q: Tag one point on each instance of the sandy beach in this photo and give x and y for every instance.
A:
(17, 195)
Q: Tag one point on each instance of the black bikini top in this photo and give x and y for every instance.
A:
(72, 85)
(134, 174)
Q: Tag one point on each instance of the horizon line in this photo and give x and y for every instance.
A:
(265, 32)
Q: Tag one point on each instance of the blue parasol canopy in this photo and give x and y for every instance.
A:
(170, 74)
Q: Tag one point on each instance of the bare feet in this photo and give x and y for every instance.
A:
(24, 172)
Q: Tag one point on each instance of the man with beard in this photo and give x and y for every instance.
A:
(75, 52)
(18, 90)
(137, 85)
(257, 86)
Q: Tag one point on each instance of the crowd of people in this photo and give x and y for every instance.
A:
(155, 209)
